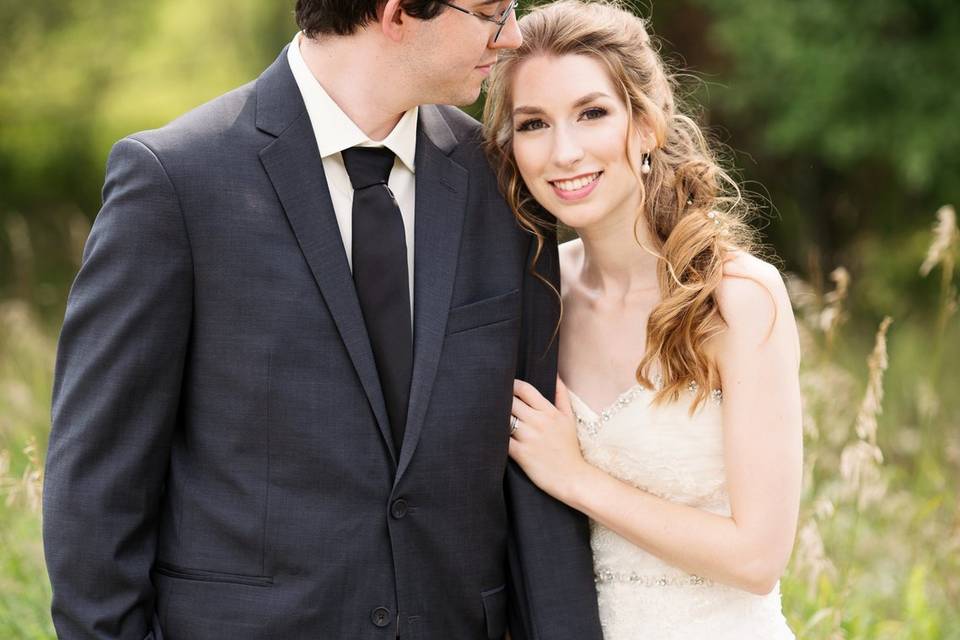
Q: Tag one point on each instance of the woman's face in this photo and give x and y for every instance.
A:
(570, 140)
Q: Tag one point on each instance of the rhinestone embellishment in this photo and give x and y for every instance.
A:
(716, 395)
(593, 427)
(606, 576)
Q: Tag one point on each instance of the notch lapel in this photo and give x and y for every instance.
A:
(441, 200)
(293, 164)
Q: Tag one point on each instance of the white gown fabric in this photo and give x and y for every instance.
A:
(669, 453)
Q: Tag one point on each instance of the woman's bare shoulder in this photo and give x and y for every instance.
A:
(752, 296)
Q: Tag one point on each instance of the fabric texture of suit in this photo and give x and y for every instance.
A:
(220, 464)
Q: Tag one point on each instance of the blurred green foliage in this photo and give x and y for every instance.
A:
(75, 77)
(842, 115)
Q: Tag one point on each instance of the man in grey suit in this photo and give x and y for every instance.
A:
(285, 375)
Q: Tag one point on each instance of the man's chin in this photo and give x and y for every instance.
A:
(464, 98)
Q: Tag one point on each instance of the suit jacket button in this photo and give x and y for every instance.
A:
(399, 508)
(380, 617)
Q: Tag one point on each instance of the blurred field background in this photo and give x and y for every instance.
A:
(843, 116)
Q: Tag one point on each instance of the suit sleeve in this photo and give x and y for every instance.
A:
(552, 593)
(116, 394)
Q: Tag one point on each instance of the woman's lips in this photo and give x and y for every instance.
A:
(574, 192)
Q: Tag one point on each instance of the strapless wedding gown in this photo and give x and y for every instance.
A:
(669, 453)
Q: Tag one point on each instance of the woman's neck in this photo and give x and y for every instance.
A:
(618, 264)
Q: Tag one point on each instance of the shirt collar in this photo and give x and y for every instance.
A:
(334, 129)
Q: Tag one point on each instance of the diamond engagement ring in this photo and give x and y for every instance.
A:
(514, 420)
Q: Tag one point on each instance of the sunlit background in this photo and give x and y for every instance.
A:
(842, 118)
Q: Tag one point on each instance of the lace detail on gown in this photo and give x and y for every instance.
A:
(669, 453)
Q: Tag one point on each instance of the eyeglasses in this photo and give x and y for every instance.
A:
(499, 20)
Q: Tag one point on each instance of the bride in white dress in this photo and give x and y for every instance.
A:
(677, 425)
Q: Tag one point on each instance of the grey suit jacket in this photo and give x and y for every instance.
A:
(220, 464)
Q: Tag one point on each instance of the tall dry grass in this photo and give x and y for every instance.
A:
(26, 371)
(878, 547)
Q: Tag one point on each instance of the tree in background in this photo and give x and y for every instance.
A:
(74, 78)
(846, 112)
(843, 112)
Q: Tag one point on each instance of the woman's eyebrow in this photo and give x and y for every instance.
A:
(590, 97)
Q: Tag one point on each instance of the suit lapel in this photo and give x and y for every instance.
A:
(441, 199)
(293, 165)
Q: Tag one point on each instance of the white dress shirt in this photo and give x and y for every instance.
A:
(335, 131)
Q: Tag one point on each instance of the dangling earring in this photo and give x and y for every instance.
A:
(645, 168)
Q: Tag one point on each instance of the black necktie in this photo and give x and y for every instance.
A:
(381, 277)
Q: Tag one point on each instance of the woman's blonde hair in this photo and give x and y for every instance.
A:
(694, 211)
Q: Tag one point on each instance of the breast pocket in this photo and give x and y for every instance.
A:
(481, 313)
(475, 375)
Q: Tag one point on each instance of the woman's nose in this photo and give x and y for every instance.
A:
(567, 150)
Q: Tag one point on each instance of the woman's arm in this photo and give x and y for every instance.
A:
(758, 359)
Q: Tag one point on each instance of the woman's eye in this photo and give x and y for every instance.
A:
(530, 125)
(593, 113)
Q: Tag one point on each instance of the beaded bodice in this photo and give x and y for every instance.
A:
(677, 456)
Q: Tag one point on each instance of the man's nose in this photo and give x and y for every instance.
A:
(510, 37)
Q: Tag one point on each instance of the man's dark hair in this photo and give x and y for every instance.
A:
(344, 17)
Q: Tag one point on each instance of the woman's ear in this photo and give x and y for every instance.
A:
(641, 141)
(644, 137)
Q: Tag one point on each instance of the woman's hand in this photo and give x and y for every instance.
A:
(545, 442)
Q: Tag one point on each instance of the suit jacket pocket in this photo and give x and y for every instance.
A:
(199, 575)
(156, 633)
(208, 605)
(495, 611)
(499, 308)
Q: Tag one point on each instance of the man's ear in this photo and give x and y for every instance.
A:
(392, 19)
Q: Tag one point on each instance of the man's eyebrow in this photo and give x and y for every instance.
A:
(483, 5)
(590, 97)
